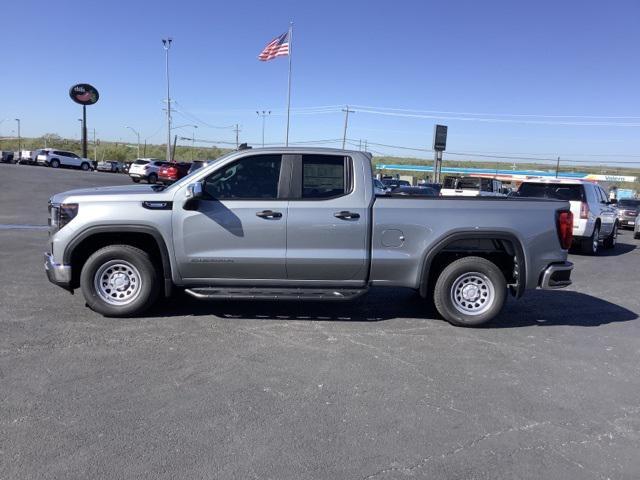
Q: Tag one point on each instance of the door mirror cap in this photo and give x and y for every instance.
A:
(195, 190)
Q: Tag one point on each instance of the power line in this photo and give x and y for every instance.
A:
(531, 115)
(496, 120)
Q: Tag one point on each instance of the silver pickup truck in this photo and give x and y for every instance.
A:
(302, 224)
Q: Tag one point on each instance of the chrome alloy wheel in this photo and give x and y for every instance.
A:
(472, 293)
(117, 282)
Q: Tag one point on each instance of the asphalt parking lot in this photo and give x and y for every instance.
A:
(374, 389)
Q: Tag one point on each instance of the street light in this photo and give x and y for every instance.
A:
(263, 115)
(193, 141)
(166, 44)
(138, 135)
(19, 140)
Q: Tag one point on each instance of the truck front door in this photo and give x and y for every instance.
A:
(238, 231)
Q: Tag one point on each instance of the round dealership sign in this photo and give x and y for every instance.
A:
(84, 94)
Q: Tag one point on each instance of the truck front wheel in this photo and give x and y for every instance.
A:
(119, 281)
(470, 292)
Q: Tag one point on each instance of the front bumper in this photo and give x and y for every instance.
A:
(57, 273)
(556, 275)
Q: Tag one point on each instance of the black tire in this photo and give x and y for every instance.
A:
(135, 180)
(636, 235)
(611, 241)
(152, 178)
(485, 283)
(140, 283)
(84, 166)
(591, 245)
(55, 163)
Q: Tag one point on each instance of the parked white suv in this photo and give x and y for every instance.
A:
(594, 216)
(145, 169)
(61, 158)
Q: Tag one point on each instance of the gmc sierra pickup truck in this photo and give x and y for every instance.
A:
(302, 224)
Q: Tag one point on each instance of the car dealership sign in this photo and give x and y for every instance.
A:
(84, 94)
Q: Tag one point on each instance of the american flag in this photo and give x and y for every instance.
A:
(278, 47)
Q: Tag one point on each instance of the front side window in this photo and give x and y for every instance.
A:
(323, 176)
(253, 177)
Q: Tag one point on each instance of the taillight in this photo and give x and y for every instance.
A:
(584, 210)
(565, 228)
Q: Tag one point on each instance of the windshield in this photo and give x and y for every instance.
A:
(558, 191)
(197, 171)
(629, 203)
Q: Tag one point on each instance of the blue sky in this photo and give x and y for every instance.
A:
(543, 58)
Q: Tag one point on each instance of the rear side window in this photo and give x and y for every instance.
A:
(324, 176)
(557, 191)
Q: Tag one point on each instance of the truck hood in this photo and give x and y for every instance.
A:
(107, 193)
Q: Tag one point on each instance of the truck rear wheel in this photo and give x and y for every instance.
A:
(119, 281)
(470, 291)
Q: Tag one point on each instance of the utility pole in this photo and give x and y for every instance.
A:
(166, 43)
(365, 145)
(137, 135)
(346, 122)
(237, 129)
(95, 147)
(557, 167)
(19, 141)
(263, 115)
(175, 140)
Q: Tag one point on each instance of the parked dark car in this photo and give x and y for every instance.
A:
(628, 209)
(392, 183)
(6, 156)
(195, 165)
(415, 191)
(172, 172)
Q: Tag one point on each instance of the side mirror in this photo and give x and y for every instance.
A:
(195, 191)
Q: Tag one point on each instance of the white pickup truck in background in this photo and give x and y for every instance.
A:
(471, 187)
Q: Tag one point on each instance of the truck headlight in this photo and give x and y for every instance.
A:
(61, 214)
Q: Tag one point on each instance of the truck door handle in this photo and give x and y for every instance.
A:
(269, 214)
(344, 215)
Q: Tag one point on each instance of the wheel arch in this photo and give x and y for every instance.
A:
(96, 237)
(449, 240)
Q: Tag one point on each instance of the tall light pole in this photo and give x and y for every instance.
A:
(193, 141)
(263, 114)
(137, 134)
(166, 43)
(19, 140)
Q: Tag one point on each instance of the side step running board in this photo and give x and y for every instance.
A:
(274, 293)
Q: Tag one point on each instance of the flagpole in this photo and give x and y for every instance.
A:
(286, 142)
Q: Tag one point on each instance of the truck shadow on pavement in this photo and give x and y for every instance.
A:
(539, 308)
